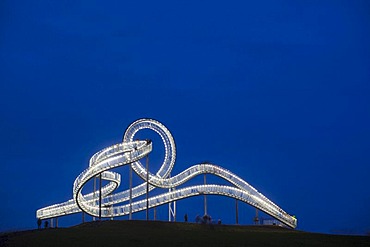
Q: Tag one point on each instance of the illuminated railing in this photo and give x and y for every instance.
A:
(129, 152)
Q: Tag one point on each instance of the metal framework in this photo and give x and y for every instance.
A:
(129, 152)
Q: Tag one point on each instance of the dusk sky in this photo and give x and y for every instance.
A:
(274, 91)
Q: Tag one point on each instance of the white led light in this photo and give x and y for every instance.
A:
(129, 152)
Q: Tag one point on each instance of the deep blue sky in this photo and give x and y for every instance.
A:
(275, 91)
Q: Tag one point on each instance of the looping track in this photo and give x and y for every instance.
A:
(129, 152)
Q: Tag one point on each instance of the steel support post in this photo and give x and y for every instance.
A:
(205, 196)
(94, 193)
(100, 196)
(236, 212)
(130, 181)
(174, 211)
(171, 206)
(147, 187)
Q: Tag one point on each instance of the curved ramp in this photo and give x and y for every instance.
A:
(129, 152)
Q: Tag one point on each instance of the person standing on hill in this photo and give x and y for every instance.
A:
(198, 219)
(39, 223)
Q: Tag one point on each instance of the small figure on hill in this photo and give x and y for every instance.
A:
(46, 224)
(39, 221)
(186, 217)
(206, 219)
(219, 221)
(198, 219)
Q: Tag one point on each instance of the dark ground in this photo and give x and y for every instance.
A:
(156, 233)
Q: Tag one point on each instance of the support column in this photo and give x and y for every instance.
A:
(236, 212)
(56, 222)
(100, 197)
(174, 210)
(130, 213)
(147, 187)
(205, 196)
(94, 193)
(256, 219)
(171, 206)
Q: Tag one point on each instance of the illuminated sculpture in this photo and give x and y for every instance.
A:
(129, 152)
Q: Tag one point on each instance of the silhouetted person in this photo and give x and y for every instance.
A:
(39, 221)
(219, 222)
(198, 219)
(46, 224)
(205, 219)
(186, 217)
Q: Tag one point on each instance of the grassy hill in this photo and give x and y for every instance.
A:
(156, 233)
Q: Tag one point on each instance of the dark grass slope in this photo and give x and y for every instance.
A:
(162, 234)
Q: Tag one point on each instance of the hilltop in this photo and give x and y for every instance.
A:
(143, 233)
